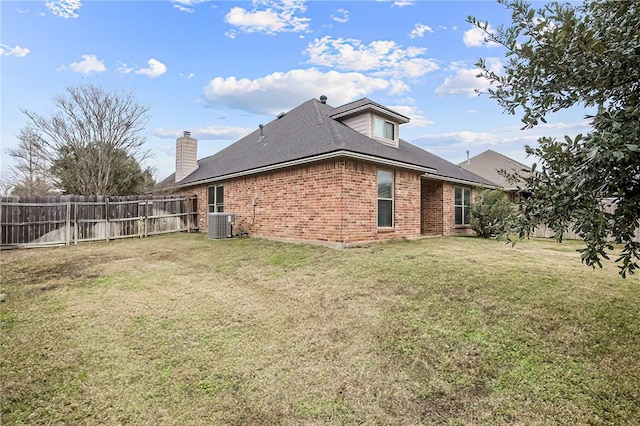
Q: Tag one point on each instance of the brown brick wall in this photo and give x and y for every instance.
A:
(332, 201)
(449, 218)
(300, 202)
(438, 209)
(360, 204)
(432, 207)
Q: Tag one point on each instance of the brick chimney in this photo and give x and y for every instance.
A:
(186, 156)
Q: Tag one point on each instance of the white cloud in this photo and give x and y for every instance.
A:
(417, 117)
(508, 140)
(89, 64)
(281, 91)
(182, 8)
(419, 30)
(156, 69)
(206, 133)
(465, 80)
(269, 17)
(124, 68)
(341, 15)
(17, 51)
(403, 3)
(64, 8)
(463, 138)
(187, 5)
(383, 58)
(475, 37)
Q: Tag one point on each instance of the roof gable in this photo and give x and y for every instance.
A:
(488, 163)
(366, 104)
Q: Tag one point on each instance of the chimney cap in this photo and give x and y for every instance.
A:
(186, 134)
(323, 99)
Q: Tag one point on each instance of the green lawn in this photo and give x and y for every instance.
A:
(184, 330)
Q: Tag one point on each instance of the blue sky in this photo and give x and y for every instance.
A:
(221, 68)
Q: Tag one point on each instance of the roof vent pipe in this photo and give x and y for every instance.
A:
(323, 99)
(261, 137)
(468, 160)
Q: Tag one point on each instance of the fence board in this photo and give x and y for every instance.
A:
(57, 220)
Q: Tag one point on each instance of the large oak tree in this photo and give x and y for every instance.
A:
(588, 55)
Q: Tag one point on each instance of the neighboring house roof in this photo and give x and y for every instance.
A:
(309, 133)
(489, 163)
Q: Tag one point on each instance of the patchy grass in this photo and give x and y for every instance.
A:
(184, 330)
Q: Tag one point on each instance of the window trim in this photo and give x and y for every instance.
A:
(385, 122)
(215, 206)
(392, 199)
(465, 207)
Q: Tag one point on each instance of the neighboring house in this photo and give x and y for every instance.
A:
(489, 164)
(340, 175)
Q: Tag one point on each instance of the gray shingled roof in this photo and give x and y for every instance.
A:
(365, 102)
(488, 163)
(308, 131)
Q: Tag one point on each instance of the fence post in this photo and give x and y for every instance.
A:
(76, 228)
(146, 217)
(68, 227)
(140, 219)
(187, 202)
(106, 218)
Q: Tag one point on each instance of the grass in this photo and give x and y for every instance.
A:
(184, 330)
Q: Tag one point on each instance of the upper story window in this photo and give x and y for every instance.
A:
(215, 199)
(383, 129)
(385, 199)
(462, 206)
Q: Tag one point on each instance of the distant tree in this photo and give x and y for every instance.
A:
(491, 213)
(31, 164)
(584, 54)
(96, 140)
(7, 182)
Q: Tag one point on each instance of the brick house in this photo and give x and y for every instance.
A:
(339, 175)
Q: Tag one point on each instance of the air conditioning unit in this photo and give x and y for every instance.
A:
(221, 225)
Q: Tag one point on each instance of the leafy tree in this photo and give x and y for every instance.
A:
(31, 168)
(490, 213)
(586, 55)
(96, 139)
(126, 176)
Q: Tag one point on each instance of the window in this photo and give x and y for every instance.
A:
(383, 129)
(385, 198)
(462, 204)
(215, 199)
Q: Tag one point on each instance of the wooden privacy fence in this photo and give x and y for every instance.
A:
(57, 220)
(608, 205)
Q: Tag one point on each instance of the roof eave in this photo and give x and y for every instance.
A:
(460, 181)
(383, 111)
(302, 161)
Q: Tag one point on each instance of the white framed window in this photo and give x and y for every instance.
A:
(462, 204)
(385, 199)
(215, 198)
(384, 129)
